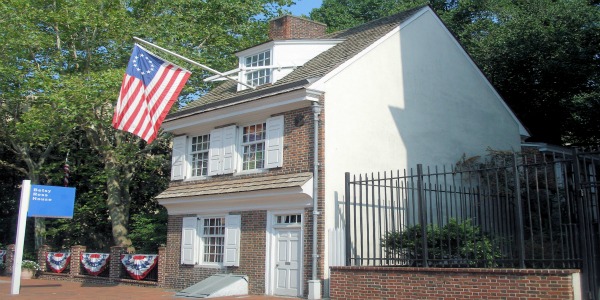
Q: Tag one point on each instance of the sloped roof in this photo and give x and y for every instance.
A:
(355, 40)
(205, 188)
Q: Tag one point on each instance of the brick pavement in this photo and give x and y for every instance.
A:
(54, 289)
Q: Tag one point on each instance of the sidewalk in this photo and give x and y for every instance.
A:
(54, 289)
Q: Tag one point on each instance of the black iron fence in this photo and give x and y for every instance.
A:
(519, 210)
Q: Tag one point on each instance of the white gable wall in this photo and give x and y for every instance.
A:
(295, 53)
(414, 98)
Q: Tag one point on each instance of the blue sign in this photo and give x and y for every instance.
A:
(51, 201)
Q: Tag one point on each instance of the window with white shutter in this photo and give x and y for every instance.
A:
(222, 152)
(178, 162)
(211, 240)
(189, 253)
(233, 224)
(274, 142)
(199, 146)
(258, 146)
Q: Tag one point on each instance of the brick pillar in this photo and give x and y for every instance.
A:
(75, 265)
(116, 270)
(41, 257)
(162, 265)
(10, 258)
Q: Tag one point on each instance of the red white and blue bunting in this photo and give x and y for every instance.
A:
(2, 255)
(139, 265)
(94, 263)
(58, 261)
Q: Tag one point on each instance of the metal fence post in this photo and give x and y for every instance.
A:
(583, 220)
(422, 213)
(347, 213)
(519, 213)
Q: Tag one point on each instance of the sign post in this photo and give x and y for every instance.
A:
(38, 201)
(15, 282)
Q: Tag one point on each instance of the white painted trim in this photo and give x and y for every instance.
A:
(320, 84)
(283, 198)
(272, 44)
(264, 107)
(270, 249)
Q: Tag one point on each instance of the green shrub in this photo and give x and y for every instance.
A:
(452, 245)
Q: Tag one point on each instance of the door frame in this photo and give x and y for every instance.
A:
(271, 248)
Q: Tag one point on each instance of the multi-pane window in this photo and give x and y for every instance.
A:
(213, 240)
(199, 154)
(288, 219)
(253, 146)
(262, 76)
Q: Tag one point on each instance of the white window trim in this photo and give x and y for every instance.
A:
(271, 241)
(227, 158)
(189, 155)
(192, 250)
(241, 145)
(268, 148)
(246, 70)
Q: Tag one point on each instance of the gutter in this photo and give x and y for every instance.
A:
(314, 285)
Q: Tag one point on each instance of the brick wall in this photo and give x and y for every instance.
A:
(435, 283)
(290, 27)
(252, 255)
(252, 250)
(297, 158)
(297, 150)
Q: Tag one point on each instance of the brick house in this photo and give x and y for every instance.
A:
(385, 95)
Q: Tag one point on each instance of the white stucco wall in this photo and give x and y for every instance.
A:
(296, 53)
(414, 98)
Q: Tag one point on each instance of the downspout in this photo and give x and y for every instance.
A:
(314, 285)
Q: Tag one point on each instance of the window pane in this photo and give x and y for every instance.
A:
(199, 153)
(259, 77)
(213, 238)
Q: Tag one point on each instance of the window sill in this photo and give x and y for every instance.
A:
(248, 172)
(209, 266)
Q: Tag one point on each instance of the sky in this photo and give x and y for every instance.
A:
(303, 7)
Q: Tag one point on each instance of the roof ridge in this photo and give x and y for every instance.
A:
(356, 39)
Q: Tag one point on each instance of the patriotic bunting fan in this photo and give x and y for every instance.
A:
(58, 261)
(94, 263)
(139, 265)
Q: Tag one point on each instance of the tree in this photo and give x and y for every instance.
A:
(72, 62)
(542, 55)
(27, 88)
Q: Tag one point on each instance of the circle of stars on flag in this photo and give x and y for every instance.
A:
(135, 64)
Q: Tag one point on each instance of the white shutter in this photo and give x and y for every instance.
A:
(229, 153)
(189, 255)
(178, 160)
(274, 143)
(233, 224)
(215, 153)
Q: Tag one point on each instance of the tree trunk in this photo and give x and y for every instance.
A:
(118, 201)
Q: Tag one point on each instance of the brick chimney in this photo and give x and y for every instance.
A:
(290, 27)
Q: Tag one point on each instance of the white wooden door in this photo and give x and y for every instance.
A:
(287, 262)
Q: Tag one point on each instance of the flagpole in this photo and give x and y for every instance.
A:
(192, 62)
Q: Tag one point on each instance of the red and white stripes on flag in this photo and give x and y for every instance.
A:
(150, 87)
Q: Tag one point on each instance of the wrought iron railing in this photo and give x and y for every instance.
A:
(514, 210)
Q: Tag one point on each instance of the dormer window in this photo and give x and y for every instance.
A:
(257, 67)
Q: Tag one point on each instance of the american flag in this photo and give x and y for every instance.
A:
(150, 87)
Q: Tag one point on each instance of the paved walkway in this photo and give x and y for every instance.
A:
(54, 289)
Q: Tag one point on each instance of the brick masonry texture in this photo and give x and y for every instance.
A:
(434, 283)
(297, 158)
(290, 27)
